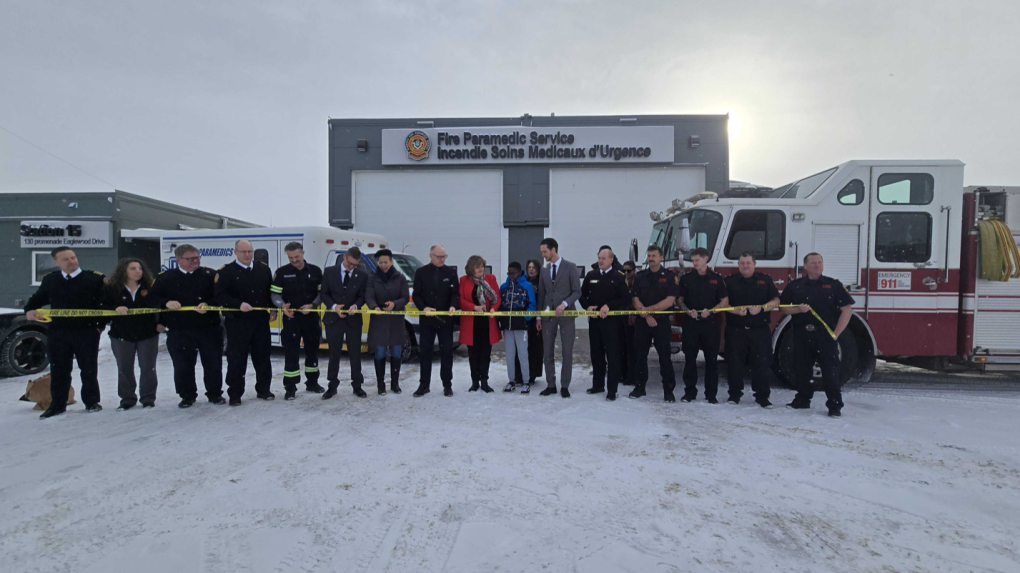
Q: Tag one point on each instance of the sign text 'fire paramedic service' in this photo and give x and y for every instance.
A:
(66, 233)
(480, 145)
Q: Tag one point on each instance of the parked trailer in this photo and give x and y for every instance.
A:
(900, 235)
(323, 246)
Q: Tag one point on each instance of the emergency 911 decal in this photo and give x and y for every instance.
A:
(889, 280)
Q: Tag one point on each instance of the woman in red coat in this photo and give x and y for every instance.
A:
(478, 291)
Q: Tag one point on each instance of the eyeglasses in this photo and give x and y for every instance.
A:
(443, 257)
(195, 258)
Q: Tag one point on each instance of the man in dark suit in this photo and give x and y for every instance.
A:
(436, 288)
(71, 338)
(244, 285)
(343, 290)
(559, 287)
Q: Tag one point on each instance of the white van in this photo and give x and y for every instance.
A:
(323, 246)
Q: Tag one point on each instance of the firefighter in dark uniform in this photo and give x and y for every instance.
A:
(628, 372)
(812, 342)
(605, 289)
(69, 339)
(244, 284)
(655, 288)
(296, 290)
(191, 335)
(748, 335)
(701, 289)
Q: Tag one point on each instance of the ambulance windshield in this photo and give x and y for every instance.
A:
(406, 264)
(802, 188)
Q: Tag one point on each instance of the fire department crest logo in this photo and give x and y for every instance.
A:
(418, 145)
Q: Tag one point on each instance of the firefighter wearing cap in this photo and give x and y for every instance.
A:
(295, 290)
(812, 341)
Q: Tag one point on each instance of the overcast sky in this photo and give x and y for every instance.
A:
(222, 105)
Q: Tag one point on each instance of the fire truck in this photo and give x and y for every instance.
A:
(902, 236)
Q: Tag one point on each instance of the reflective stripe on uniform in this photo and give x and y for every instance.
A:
(276, 289)
(311, 368)
(291, 373)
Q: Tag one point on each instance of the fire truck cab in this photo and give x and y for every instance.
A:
(891, 231)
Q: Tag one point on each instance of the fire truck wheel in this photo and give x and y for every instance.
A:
(849, 355)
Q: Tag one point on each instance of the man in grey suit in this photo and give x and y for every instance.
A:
(559, 287)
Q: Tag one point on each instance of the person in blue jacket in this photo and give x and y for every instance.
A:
(517, 293)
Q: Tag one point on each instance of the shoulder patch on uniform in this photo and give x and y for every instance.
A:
(99, 273)
(216, 278)
(221, 267)
(676, 279)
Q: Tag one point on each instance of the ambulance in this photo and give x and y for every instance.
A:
(323, 247)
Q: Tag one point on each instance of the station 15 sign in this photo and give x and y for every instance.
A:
(480, 145)
(74, 234)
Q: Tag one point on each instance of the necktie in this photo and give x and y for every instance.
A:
(554, 273)
(347, 275)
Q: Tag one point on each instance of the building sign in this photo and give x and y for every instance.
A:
(66, 233)
(492, 145)
(890, 280)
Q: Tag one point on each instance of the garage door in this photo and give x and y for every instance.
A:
(593, 207)
(462, 210)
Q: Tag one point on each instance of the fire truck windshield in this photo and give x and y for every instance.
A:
(702, 231)
(802, 188)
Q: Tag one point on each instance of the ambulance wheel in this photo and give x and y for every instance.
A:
(23, 353)
(783, 365)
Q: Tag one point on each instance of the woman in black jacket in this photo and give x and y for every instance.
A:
(535, 350)
(387, 290)
(132, 335)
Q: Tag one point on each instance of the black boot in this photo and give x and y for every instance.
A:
(395, 375)
(485, 386)
(474, 386)
(421, 391)
(380, 375)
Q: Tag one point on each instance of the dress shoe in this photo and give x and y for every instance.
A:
(235, 401)
(611, 397)
(447, 391)
(218, 401)
(186, 403)
(314, 387)
(688, 398)
(564, 392)
(549, 391)
(153, 404)
(637, 392)
(268, 396)
(421, 391)
(712, 400)
(799, 404)
(329, 394)
(123, 407)
(595, 390)
(733, 401)
(764, 404)
(94, 408)
(50, 412)
(359, 392)
(834, 413)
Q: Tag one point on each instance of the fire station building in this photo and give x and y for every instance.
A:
(497, 186)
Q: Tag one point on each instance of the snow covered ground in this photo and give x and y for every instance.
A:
(905, 481)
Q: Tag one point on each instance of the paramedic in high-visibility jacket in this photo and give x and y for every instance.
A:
(244, 284)
(812, 342)
(295, 291)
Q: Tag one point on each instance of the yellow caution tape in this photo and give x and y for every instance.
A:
(46, 314)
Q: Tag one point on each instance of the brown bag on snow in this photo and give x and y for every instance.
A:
(38, 391)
